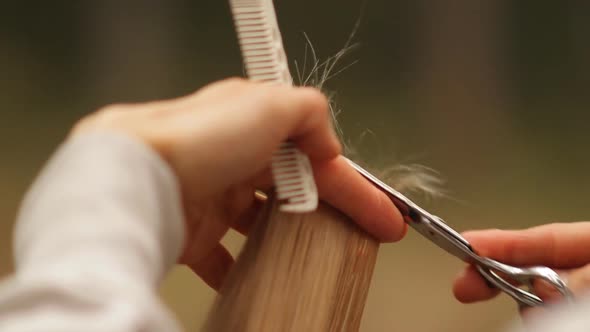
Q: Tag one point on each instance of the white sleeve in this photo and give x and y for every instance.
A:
(574, 317)
(96, 233)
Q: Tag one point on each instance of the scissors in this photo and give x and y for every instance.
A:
(498, 274)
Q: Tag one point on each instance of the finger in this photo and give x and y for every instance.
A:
(578, 280)
(469, 286)
(263, 181)
(303, 114)
(239, 133)
(242, 207)
(216, 90)
(247, 219)
(556, 245)
(549, 293)
(344, 188)
(214, 267)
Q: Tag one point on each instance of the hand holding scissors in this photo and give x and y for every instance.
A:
(505, 277)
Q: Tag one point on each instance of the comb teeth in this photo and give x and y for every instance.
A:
(293, 178)
(260, 42)
(265, 60)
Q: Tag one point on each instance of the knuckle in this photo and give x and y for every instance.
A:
(271, 102)
(235, 82)
(229, 87)
(318, 97)
(103, 117)
(111, 110)
(317, 101)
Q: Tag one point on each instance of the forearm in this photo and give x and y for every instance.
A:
(97, 231)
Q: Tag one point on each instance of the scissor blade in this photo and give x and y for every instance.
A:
(404, 204)
(430, 226)
(438, 232)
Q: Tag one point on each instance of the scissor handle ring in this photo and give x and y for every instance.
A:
(520, 295)
(525, 297)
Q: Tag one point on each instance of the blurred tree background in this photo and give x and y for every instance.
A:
(492, 94)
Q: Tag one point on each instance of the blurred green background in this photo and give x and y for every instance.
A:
(492, 94)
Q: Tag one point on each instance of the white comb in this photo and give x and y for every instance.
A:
(265, 61)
